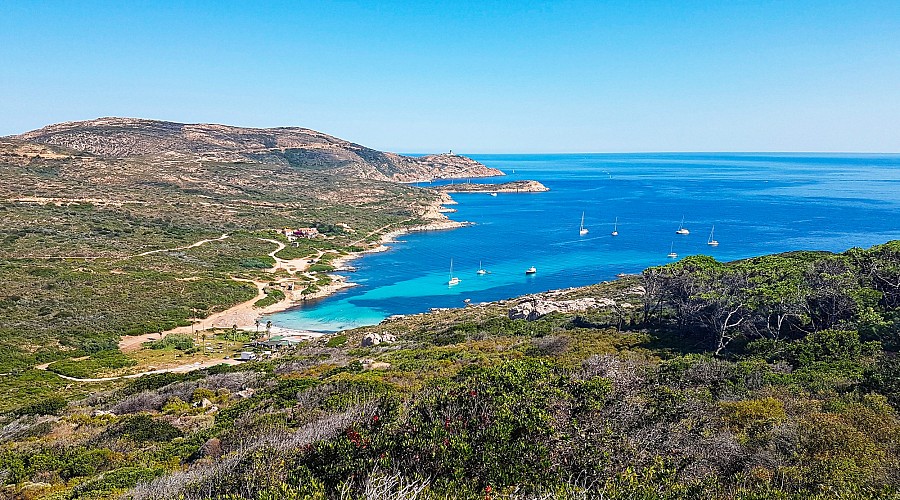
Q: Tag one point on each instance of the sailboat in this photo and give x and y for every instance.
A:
(616, 228)
(672, 254)
(480, 269)
(681, 228)
(712, 240)
(453, 279)
(583, 230)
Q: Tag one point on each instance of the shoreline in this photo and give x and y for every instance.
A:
(245, 314)
(440, 223)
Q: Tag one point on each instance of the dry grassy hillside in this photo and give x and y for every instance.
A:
(288, 146)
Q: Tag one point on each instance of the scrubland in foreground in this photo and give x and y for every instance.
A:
(772, 377)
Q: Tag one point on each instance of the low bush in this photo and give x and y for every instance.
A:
(181, 342)
(52, 405)
(92, 365)
(141, 428)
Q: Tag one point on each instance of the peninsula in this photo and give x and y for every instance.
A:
(506, 187)
(120, 231)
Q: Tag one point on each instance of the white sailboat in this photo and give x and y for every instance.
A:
(681, 228)
(672, 254)
(616, 228)
(712, 240)
(583, 230)
(480, 269)
(453, 279)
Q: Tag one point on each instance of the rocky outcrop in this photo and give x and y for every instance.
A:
(506, 187)
(535, 308)
(294, 146)
(373, 339)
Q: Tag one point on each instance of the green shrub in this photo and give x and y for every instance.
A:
(154, 381)
(51, 405)
(118, 479)
(829, 346)
(141, 428)
(258, 263)
(273, 296)
(884, 378)
(336, 341)
(95, 363)
(181, 342)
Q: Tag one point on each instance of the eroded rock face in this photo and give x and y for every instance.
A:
(535, 308)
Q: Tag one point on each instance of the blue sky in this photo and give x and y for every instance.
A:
(482, 76)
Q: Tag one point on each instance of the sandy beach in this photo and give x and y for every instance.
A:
(245, 314)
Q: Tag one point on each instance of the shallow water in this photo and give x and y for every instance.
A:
(759, 204)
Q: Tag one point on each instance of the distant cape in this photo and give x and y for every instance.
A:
(298, 147)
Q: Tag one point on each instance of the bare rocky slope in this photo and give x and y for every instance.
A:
(293, 146)
(506, 187)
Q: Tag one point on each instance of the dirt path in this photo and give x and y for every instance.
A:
(292, 266)
(192, 245)
(175, 369)
(242, 314)
(143, 254)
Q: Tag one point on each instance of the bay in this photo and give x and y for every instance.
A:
(759, 204)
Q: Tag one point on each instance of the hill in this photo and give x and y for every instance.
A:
(287, 146)
(94, 247)
(772, 377)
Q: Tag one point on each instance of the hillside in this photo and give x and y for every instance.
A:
(93, 248)
(771, 377)
(286, 146)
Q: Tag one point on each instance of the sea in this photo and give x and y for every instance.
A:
(759, 203)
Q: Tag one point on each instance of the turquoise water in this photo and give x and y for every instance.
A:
(759, 204)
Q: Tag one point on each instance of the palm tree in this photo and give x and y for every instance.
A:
(268, 329)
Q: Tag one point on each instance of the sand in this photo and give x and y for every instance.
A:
(245, 314)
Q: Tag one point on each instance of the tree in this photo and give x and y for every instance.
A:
(726, 306)
(881, 266)
(654, 291)
(777, 292)
(831, 284)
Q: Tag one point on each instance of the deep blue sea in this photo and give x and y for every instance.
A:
(759, 204)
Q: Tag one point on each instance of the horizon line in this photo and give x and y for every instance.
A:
(884, 153)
